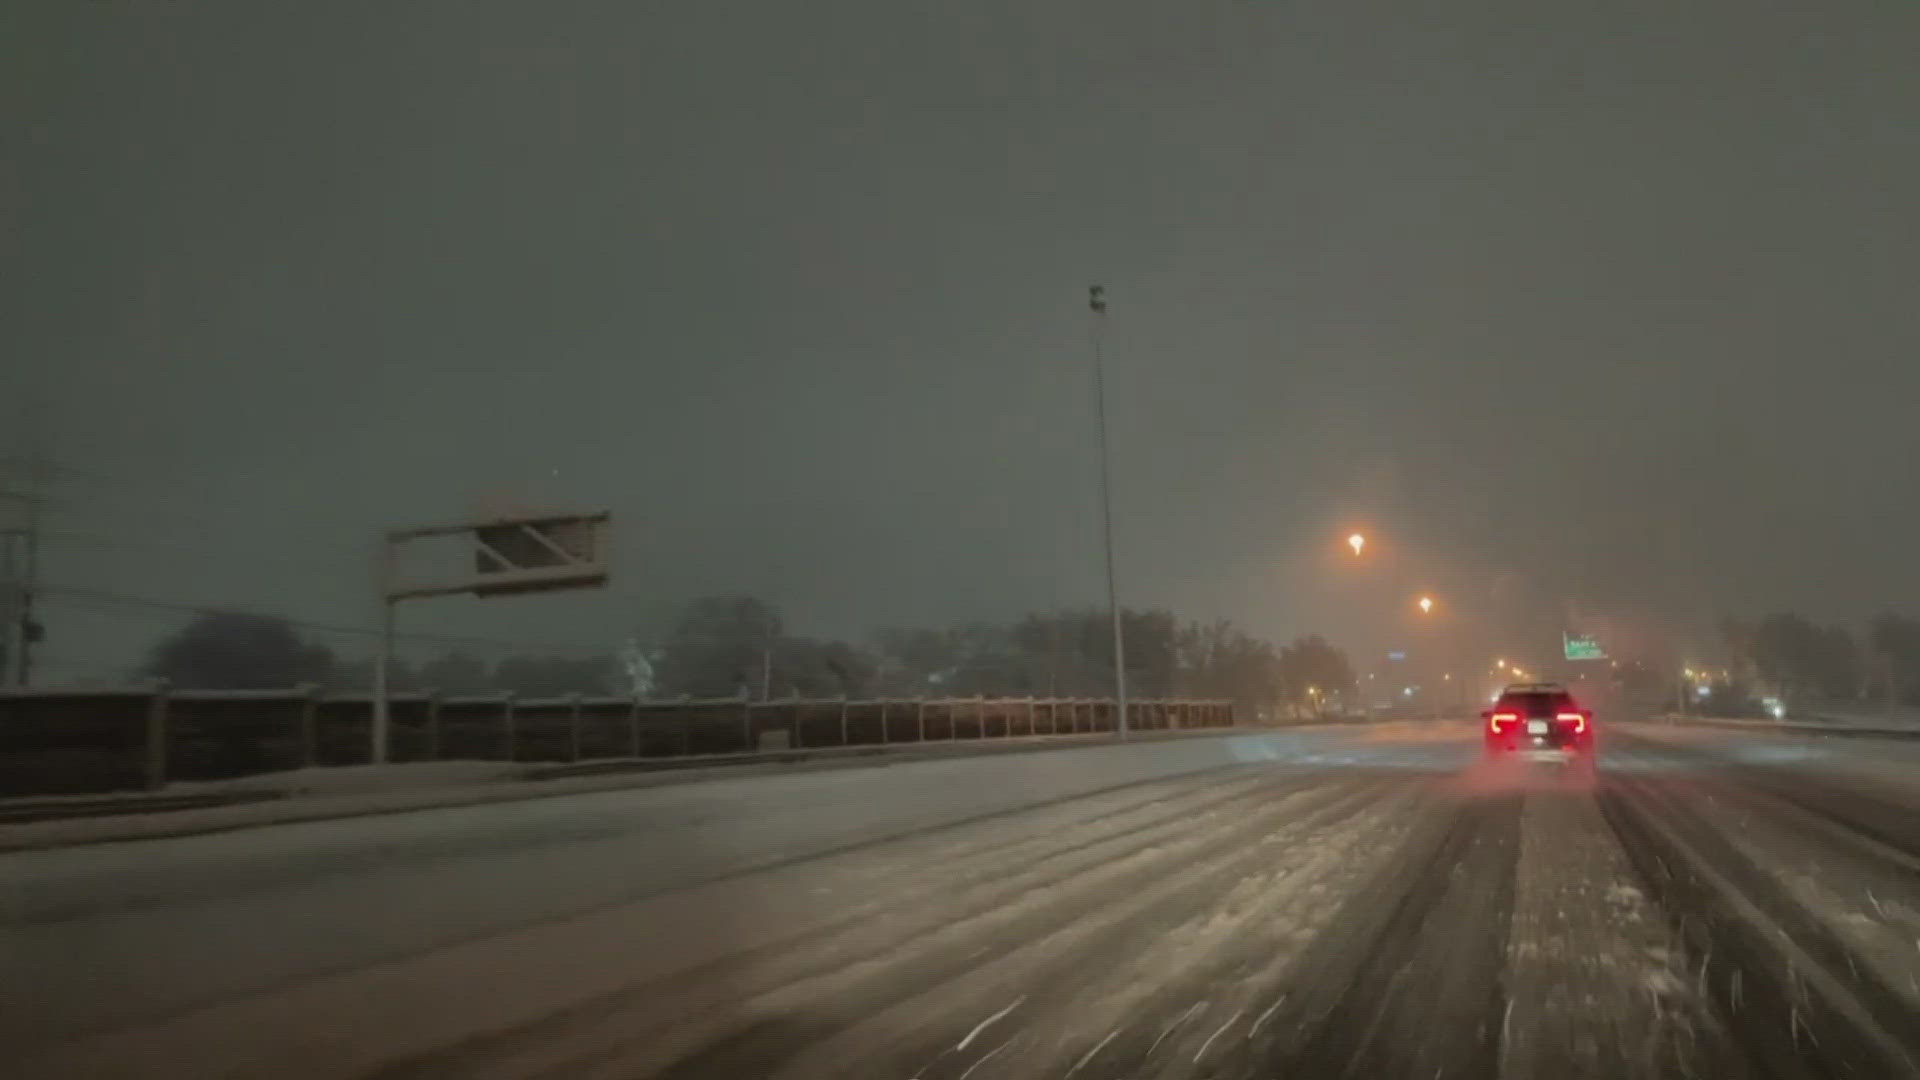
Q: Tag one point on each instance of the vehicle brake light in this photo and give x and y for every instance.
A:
(1494, 720)
(1578, 720)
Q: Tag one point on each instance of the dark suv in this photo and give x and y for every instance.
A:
(1538, 716)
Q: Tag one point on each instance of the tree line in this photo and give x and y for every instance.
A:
(734, 646)
(1798, 660)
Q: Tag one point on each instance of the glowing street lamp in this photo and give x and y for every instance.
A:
(1356, 542)
(1426, 605)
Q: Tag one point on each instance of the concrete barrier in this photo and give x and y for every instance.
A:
(1794, 727)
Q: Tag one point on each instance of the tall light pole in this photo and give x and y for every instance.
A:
(1097, 302)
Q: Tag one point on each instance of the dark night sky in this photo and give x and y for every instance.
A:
(1617, 299)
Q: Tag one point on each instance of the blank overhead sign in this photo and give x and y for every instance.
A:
(535, 553)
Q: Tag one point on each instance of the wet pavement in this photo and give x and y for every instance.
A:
(1365, 902)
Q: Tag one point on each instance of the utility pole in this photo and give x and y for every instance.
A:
(13, 606)
(378, 737)
(766, 667)
(19, 577)
(30, 630)
(1097, 301)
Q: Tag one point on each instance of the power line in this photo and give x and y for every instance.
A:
(121, 541)
(85, 537)
(103, 596)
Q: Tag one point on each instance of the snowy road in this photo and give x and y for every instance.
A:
(1363, 902)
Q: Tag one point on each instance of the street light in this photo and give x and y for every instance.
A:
(1097, 303)
(1356, 542)
(1426, 605)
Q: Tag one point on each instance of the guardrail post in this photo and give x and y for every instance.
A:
(686, 733)
(433, 725)
(573, 726)
(953, 719)
(920, 711)
(507, 732)
(633, 726)
(980, 714)
(843, 720)
(798, 722)
(746, 725)
(1029, 715)
(883, 722)
(156, 737)
(309, 705)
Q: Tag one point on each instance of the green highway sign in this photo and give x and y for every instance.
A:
(1582, 648)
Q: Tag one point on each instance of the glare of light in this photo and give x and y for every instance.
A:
(1426, 604)
(1494, 697)
(1688, 672)
(1356, 542)
(1501, 664)
(1447, 677)
(1408, 692)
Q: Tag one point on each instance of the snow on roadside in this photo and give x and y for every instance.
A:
(346, 779)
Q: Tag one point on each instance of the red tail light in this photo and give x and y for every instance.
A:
(1578, 720)
(1494, 720)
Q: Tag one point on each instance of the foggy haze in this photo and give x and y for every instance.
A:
(1618, 306)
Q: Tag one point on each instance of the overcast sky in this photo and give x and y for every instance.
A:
(1616, 301)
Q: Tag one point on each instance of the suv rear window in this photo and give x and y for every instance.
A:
(1533, 705)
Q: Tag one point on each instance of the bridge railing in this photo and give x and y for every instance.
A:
(142, 738)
